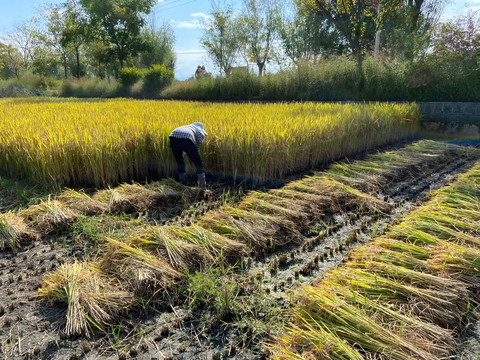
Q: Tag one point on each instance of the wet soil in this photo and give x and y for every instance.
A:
(30, 329)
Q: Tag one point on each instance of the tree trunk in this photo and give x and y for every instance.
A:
(65, 67)
(261, 66)
(77, 55)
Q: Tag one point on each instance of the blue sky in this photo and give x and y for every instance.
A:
(185, 18)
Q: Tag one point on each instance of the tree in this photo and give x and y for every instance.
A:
(75, 32)
(260, 23)
(459, 37)
(158, 47)
(221, 39)
(306, 36)
(407, 26)
(355, 20)
(53, 37)
(25, 40)
(119, 23)
(11, 60)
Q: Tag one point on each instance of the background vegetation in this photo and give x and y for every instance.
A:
(268, 50)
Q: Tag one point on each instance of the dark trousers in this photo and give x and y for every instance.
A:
(180, 146)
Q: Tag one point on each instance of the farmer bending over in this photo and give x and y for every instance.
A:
(188, 139)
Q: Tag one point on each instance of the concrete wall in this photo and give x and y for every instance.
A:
(451, 112)
(451, 119)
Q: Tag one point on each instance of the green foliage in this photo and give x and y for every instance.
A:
(158, 47)
(221, 38)
(129, 76)
(156, 79)
(86, 87)
(431, 78)
(210, 290)
(119, 24)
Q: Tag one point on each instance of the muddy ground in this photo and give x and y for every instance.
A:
(31, 329)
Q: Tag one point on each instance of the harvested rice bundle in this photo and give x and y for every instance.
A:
(346, 324)
(338, 197)
(138, 269)
(82, 202)
(427, 296)
(14, 232)
(388, 251)
(270, 205)
(138, 198)
(127, 198)
(260, 231)
(169, 245)
(93, 300)
(458, 262)
(215, 244)
(49, 216)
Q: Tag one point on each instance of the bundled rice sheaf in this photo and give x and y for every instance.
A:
(49, 216)
(139, 198)
(258, 230)
(406, 295)
(14, 232)
(82, 202)
(213, 243)
(138, 269)
(169, 245)
(93, 300)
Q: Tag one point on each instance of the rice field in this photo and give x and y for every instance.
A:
(222, 269)
(154, 259)
(106, 142)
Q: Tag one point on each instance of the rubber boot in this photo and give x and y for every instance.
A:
(183, 178)
(201, 181)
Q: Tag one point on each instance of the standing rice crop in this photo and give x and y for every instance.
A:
(109, 141)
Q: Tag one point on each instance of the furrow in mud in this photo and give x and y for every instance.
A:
(318, 253)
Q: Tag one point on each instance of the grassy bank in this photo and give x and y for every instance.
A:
(338, 79)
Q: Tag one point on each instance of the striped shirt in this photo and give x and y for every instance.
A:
(189, 132)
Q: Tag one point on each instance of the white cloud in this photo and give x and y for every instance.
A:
(201, 15)
(197, 23)
(194, 24)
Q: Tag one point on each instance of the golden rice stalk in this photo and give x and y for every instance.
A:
(14, 232)
(93, 300)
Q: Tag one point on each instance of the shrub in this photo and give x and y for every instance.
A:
(157, 78)
(129, 76)
(86, 87)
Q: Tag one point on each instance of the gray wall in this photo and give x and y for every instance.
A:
(450, 118)
(451, 112)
